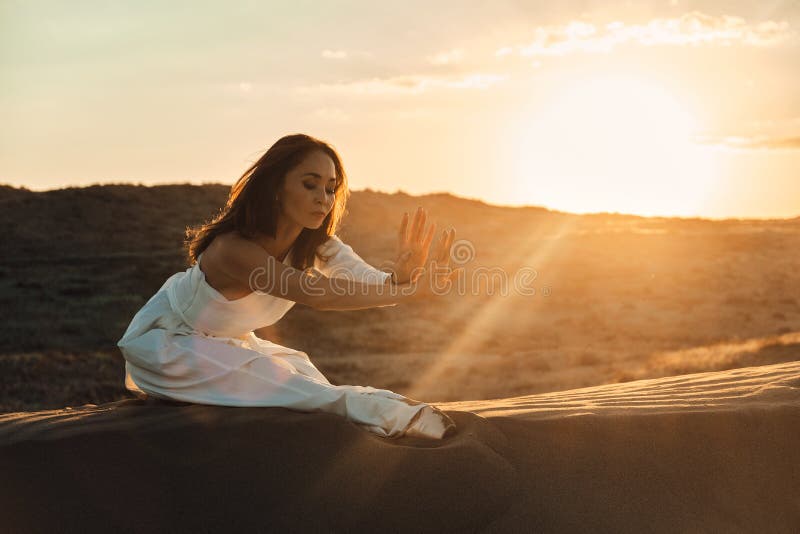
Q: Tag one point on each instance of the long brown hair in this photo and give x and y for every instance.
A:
(252, 208)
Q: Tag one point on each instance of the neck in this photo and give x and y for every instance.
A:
(286, 234)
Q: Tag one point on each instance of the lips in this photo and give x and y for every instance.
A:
(319, 213)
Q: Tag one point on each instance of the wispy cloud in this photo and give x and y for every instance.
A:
(446, 58)
(344, 54)
(756, 142)
(694, 28)
(405, 85)
(334, 54)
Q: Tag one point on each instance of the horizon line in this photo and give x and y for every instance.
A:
(429, 193)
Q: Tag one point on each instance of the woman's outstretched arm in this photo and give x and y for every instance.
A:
(255, 268)
(251, 265)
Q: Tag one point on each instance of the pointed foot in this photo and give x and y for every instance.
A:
(432, 423)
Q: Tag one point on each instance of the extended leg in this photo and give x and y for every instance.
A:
(206, 371)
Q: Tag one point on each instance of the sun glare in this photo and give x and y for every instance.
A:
(617, 143)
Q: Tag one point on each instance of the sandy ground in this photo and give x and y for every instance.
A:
(708, 452)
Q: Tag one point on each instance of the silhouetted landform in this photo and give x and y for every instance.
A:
(709, 452)
(617, 297)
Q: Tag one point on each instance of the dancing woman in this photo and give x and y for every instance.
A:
(272, 245)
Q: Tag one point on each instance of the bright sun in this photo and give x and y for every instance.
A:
(616, 143)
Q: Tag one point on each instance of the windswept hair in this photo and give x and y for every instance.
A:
(251, 205)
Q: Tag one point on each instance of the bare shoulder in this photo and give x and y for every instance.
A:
(231, 243)
(228, 262)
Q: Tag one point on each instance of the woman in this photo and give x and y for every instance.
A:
(272, 245)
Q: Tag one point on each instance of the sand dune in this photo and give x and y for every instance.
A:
(769, 386)
(709, 452)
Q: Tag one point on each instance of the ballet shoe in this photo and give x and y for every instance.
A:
(430, 422)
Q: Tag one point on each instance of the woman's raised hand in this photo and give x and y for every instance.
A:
(412, 247)
(437, 277)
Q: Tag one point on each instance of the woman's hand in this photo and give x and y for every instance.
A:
(412, 247)
(437, 277)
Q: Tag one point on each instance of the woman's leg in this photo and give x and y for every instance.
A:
(199, 369)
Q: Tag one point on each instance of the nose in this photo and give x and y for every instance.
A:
(322, 198)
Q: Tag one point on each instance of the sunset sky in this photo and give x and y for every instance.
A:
(654, 108)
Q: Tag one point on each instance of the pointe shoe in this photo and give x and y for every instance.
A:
(431, 423)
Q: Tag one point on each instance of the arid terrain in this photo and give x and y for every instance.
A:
(617, 297)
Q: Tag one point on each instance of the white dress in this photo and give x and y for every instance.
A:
(190, 343)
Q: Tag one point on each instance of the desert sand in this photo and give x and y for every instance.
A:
(707, 452)
(635, 308)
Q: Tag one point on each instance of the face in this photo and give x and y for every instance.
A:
(309, 191)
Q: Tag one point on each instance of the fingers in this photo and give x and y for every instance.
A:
(450, 243)
(414, 225)
(429, 237)
(402, 234)
(419, 238)
(419, 225)
(445, 243)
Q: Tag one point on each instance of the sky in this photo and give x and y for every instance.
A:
(673, 107)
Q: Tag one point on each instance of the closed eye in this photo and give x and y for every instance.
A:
(311, 187)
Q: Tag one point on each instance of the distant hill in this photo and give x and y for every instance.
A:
(617, 296)
(123, 219)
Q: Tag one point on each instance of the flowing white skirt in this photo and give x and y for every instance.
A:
(165, 358)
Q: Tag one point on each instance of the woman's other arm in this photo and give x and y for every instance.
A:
(256, 269)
